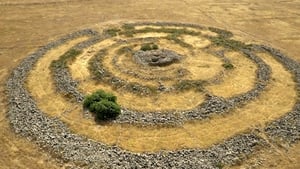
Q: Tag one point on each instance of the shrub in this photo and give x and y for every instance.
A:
(228, 66)
(146, 47)
(105, 109)
(103, 105)
(149, 46)
(154, 46)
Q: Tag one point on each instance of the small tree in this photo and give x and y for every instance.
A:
(103, 105)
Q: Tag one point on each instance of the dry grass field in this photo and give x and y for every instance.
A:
(27, 24)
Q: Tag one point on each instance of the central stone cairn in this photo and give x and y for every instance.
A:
(158, 57)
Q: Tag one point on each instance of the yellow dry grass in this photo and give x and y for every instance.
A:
(202, 66)
(79, 68)
(239, 80)
(150, 34)
(208, 33)
(40, 79)
(196, 41)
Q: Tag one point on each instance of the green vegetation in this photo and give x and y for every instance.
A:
(223, 39)
(228, 66)
(128, 26)
(229, 43)
(154, 47)
(63, 59)
(220, 165)
(149, 46)
(128, 30)
(174, 38)
(103, 105)
(168, 30)
(112, 32)
(190, 84)
(221, 32)
(140, 89)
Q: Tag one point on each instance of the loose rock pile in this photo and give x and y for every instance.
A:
(51, 134)
(159, 57)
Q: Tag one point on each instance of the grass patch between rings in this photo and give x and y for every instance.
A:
(112, 31)
(70, 55)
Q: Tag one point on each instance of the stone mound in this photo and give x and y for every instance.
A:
(159, 57)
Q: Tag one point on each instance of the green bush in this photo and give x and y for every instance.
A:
(149, 46)
(154, 46)
(228, 66)
(103, 105)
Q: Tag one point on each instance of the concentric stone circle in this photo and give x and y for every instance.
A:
(212, 104)
(50, 133)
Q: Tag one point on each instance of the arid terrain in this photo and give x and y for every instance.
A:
(26, 25)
